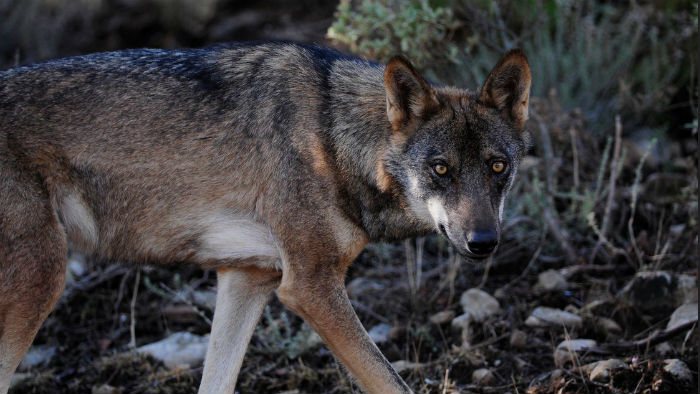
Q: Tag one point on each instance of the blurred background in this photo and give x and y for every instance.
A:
(601, 225)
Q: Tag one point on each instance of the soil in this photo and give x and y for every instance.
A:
(91, 324)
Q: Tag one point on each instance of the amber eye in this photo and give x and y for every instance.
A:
(498, 166)
(440, 169)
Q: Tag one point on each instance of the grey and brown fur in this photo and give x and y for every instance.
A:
(273, 163)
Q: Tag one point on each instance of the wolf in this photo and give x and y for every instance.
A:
(272, 163)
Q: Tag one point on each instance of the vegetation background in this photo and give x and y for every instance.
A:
(606, 203)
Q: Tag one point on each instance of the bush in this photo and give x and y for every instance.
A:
(601, 57)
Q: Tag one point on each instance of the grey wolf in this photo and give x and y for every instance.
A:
(273, 163)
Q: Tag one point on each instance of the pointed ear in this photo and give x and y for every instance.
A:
(507, 87)
(409, 97)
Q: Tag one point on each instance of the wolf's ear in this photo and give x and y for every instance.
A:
(507, 87)
(408, 95)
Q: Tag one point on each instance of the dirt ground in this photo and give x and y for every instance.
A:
(389, 285)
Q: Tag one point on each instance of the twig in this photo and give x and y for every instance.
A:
(132, 328)
(93, 280)
(558, 233)
(358, 305)
(639, 345)
(186, 301)
(611, 188)
(574, 149)
(420, 242)
(485, 276)
(570, 272)
(550, 215)
(633, 205)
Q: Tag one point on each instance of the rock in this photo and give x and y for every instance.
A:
(587, 368)
(566, 350)
(443, 317)
(462, 321)
(551, 280)
(518, 339)
(180, 348)
(403, 365)
(105, 389)
(678, 370)
(547, 317)
(479, 305)
(676, 229)
(396, 333)
(543, 382)
(37, 356)
(520, 364)
(483, 376)
(380, 332)
(205, 299)
(500, 293)
(651, 291)
(686, 289)
(609, 325)
(683, 314)
(663, 348)
(77, 265)
(604, 369)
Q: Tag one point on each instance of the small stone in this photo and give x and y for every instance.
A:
(520, 364)
(682, 315)
(676, 229)
(678, 369)
(518, 339)
(443, 317)
(609, 325)
(483, 376)
(462, 321)
(77, 265)
(650, 291)
(479, 304)
(547, 317)
(566, 350)
(37, 356)
(396, 333)
(602, 372)
(664, 348)
(500, 293)
(551, 280)
(105, 389)
(380, 332)
(403, 365)
(180, 348)
(587, 368)
(687, 289)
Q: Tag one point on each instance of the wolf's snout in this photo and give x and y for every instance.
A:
(481, 242)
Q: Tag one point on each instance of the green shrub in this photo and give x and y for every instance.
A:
(383, 28)
(601, 57)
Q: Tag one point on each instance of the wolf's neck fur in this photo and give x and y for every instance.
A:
(360, 135)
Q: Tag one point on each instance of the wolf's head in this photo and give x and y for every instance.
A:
(455, 153)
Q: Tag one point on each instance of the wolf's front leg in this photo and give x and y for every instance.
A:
(320, 298)
(241, 297)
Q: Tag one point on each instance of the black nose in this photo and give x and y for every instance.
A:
(482, 242)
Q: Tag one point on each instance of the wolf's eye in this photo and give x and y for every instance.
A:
(440, 169)
(498, 166)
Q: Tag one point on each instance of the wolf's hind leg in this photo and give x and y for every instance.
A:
(242, 293)
(32, 273)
